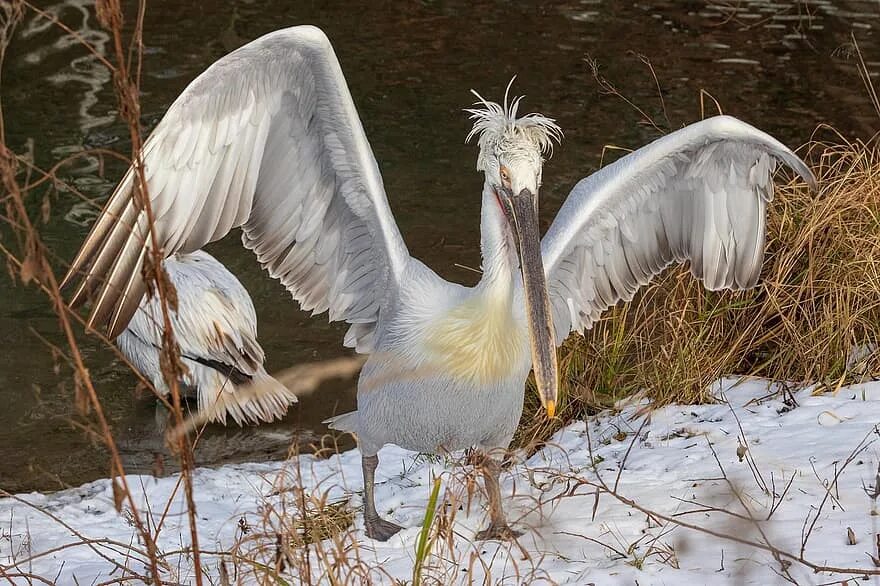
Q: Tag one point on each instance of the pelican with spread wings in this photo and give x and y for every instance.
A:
(268, 139)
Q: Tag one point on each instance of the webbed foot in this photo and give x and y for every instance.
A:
(499, 532)
(380, 529)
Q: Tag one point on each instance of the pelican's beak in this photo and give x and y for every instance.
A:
(522, 210)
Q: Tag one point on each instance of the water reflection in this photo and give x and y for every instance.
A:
(85, 69)
(782, 66)
(83, 79)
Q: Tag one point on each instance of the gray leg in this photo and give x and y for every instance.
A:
(377, 527)
(498, 527)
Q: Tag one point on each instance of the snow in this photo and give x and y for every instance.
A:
(753, 467)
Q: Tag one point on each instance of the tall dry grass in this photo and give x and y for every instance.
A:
(28, 259)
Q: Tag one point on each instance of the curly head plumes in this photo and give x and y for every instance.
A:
(501, 132)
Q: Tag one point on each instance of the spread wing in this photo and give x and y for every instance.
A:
(698, 195)
(267, 138)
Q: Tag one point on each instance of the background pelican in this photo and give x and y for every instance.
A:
(216, 329)
(268, 138)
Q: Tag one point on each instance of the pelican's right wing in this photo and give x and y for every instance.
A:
(698, 194)
(266, 138)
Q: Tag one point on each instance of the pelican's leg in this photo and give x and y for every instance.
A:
(377, 527)
(498, 527)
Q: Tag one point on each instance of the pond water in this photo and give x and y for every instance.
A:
(784, 66)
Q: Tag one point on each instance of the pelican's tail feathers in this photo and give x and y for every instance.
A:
(262, 400)
(346, 422)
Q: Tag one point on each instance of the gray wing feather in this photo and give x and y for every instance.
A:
(267, 138)
(698, 195)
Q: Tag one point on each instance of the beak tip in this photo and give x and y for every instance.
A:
(551, 409)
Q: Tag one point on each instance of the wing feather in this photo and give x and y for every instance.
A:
(698, 195)
(268, 139)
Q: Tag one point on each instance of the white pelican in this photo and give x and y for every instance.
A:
(216, 329)
(268, 138)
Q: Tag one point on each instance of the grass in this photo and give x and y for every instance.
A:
(423, 545)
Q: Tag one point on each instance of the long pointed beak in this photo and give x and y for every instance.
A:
(524, 211)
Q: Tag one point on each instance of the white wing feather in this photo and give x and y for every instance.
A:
(267, 138)
(698, 195)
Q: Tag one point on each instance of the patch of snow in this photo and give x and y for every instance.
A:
(764, 467)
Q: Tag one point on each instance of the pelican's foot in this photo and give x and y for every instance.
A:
(380, 529)
(499, 532)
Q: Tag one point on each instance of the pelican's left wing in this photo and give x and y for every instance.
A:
(267, 138)
(698, 195)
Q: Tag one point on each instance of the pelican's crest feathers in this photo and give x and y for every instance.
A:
(499, 130)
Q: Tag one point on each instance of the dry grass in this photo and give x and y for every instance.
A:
(815, 316)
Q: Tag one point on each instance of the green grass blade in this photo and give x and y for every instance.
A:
(423, 545)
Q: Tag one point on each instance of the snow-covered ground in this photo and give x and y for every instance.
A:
(773, 482)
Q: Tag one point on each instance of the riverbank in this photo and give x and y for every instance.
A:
(751, 489)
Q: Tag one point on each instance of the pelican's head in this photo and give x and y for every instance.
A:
(512, 149)
(511, 157)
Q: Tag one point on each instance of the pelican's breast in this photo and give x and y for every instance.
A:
(478, 339)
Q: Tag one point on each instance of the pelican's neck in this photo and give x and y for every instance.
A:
(500, 258)
(481, 340)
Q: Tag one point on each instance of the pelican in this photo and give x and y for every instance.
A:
(268, 138)
(215, 326)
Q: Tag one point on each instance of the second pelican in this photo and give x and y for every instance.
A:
(215, 327)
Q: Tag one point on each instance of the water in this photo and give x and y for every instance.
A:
(783, 66)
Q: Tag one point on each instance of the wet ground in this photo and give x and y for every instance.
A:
(783, 66)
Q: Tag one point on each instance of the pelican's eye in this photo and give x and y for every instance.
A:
(505, 177)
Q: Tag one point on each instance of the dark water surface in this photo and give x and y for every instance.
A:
(784, 66)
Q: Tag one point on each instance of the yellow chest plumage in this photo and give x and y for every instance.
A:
(478, 340)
